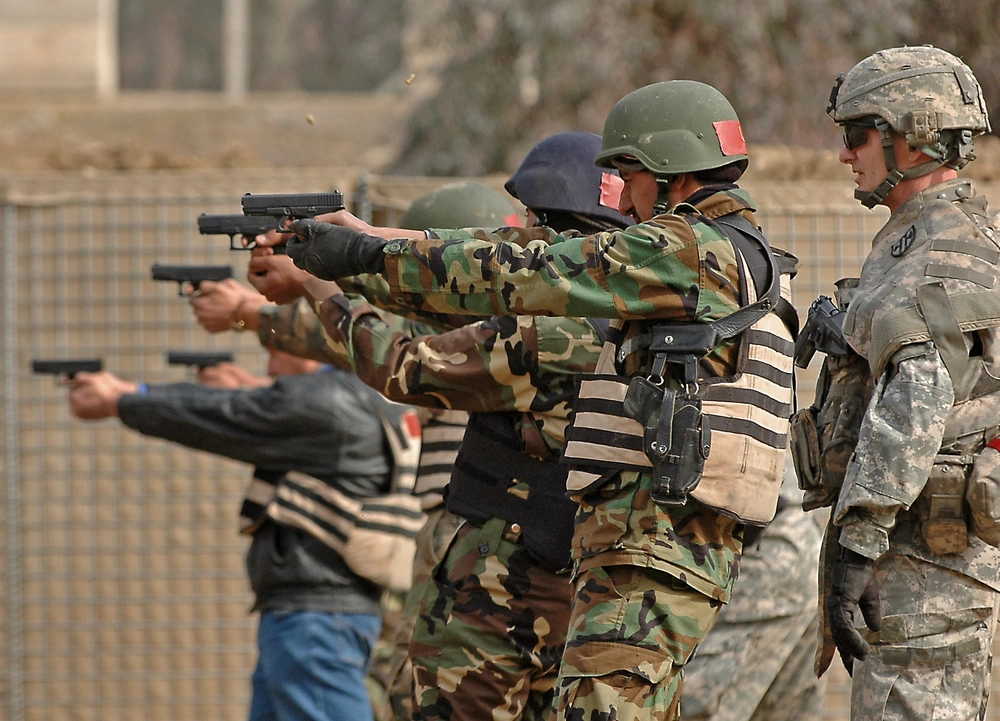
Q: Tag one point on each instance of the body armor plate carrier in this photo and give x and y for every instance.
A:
(489, 461)
(722, 443)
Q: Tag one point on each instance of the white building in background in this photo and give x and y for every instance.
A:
(59, 45)
(72, 46)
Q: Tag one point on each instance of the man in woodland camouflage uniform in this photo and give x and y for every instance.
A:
(916, 526)
(651, 575)
(294, 328)
(493, 622)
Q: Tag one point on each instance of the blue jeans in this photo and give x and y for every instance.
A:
(311, 666)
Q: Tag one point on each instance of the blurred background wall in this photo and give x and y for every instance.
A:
(488, 77)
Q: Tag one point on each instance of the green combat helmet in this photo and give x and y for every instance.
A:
(672, 127)
(925, 94)
(459, 205)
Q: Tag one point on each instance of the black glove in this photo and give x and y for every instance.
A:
(331, 252)
(853, 587)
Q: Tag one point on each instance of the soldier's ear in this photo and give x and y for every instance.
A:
(906, 155)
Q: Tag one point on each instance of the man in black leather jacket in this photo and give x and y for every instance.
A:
(314, 435)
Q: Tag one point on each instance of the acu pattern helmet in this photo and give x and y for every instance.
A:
(925, 94)
(459, 205)
(673, 127)
(558, 178)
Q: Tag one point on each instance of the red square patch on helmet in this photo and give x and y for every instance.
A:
(513, 220)
(611, 190)
(730, 134)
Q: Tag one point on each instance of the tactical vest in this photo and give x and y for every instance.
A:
(375, 536)
(742, 433)
(936, 281)
(489, 462)
(441, 439)
(933, 275)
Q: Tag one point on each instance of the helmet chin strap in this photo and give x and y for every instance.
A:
(870, 199)
(662, 203)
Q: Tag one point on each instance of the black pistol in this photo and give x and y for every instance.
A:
(198, 359)
(66, 368)
(236, 225)
(823, 332)
(189, 277)
(281, 207)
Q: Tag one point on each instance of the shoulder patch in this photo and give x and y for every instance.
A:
(902, 245)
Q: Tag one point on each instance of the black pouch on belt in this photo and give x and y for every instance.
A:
(676, 437)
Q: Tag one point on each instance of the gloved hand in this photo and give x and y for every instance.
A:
(853, 587)
(330, 252)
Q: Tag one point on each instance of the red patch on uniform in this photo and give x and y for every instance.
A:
(512, 221)
(411, 424)
(611, 190)
(995, 443)
(731, 139)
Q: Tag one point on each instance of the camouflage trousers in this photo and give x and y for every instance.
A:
(932, 657)
(390, 680)
(379, 676)
(491, 630)
(757, 663)
(650, 583)
(631, 633)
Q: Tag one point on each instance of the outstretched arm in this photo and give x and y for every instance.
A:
(504, 364)
(659, 269)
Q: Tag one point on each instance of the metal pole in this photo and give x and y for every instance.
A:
(363, 207)
(236, 48)
(12, 468)
(107, 48)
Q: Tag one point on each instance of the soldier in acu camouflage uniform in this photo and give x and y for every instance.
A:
(914, 541)
(653, 564)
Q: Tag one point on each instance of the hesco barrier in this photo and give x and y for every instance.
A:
(126, 594)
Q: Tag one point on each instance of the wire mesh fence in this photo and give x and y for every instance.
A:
(126, 594)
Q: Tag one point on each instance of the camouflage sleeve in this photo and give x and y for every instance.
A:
(375, 290)
(665, 268)
(900, 435)
(294, 328)
(517, 236)
(503, 364)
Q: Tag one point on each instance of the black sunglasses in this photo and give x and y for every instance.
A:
(856, 133)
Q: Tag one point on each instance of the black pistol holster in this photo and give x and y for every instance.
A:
(676, 436)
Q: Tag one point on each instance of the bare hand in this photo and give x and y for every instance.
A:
(95, 395)
(221, 304)
(275, 276)
(230, 376)
(347, 220)
(266, 240)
